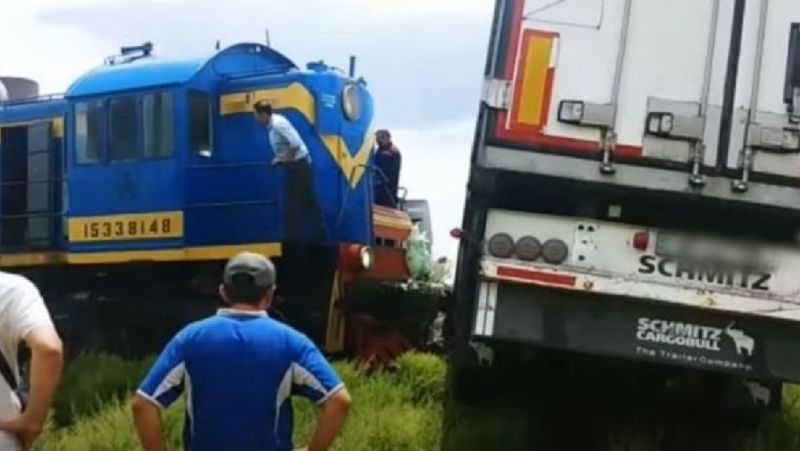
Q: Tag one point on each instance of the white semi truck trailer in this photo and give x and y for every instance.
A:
(634, 190)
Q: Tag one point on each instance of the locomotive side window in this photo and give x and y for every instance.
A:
(123, 136)
(157, 112)
(791, 88)
(89, 131)
(200, 124)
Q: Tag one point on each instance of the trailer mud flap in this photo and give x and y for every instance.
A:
(748, 346)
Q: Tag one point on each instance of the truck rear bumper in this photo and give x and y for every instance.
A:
(744, 345)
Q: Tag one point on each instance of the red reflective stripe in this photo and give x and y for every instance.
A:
(536, 276)
(536, 138)
(517, 13)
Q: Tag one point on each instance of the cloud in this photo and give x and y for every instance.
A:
(52, 54)
(423, 60)
(426, 7)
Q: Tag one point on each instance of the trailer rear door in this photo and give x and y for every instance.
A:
(638, 72)
(765, 140)
(656, 84)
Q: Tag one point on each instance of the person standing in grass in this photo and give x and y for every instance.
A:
(237, 371)
(24, 319)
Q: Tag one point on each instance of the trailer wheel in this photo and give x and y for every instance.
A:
(479, 413)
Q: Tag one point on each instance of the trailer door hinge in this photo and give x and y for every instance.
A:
(496, 93)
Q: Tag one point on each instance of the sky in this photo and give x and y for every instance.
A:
(423, 61)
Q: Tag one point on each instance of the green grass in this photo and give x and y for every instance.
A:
(391, 411)
(781, 432)
(91, 381)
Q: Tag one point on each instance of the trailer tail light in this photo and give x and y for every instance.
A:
(641, 240)
(528, 248)
(554, 251)
(501, 245)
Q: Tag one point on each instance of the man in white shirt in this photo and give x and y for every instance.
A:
(292, 153)
(24, 319)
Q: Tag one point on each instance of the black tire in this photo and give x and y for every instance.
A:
(479, 413)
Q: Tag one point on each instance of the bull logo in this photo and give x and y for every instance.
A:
(743, 342)
(484, 353)
(758, 392)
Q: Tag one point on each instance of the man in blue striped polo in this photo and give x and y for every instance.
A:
(238, 370)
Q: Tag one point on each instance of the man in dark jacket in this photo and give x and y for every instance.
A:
(388, 160)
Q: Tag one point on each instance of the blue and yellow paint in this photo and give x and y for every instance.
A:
(185, 207)
(297, 97)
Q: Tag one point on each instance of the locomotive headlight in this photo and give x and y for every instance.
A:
(366, 256)
(351, 102)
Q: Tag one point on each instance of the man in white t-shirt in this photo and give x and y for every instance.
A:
(24, 319)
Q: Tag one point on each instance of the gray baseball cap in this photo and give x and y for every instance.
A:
(257, 266)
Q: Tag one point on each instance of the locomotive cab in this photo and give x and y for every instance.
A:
(169, 165)
(169, 175)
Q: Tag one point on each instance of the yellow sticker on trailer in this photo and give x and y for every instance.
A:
(136, 226)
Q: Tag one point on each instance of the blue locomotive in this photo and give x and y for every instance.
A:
(123, 197)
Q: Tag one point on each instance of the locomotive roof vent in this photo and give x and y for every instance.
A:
(129, 54)
(317, 66)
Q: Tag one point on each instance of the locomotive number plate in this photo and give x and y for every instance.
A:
(144, 226)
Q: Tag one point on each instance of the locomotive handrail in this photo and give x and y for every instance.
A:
(395, 200)
(369, 168)
(42, 214)
(347, 194)
(34, 182)
(229, 165)
(33, 99)
(246, 75)
(242, 203)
